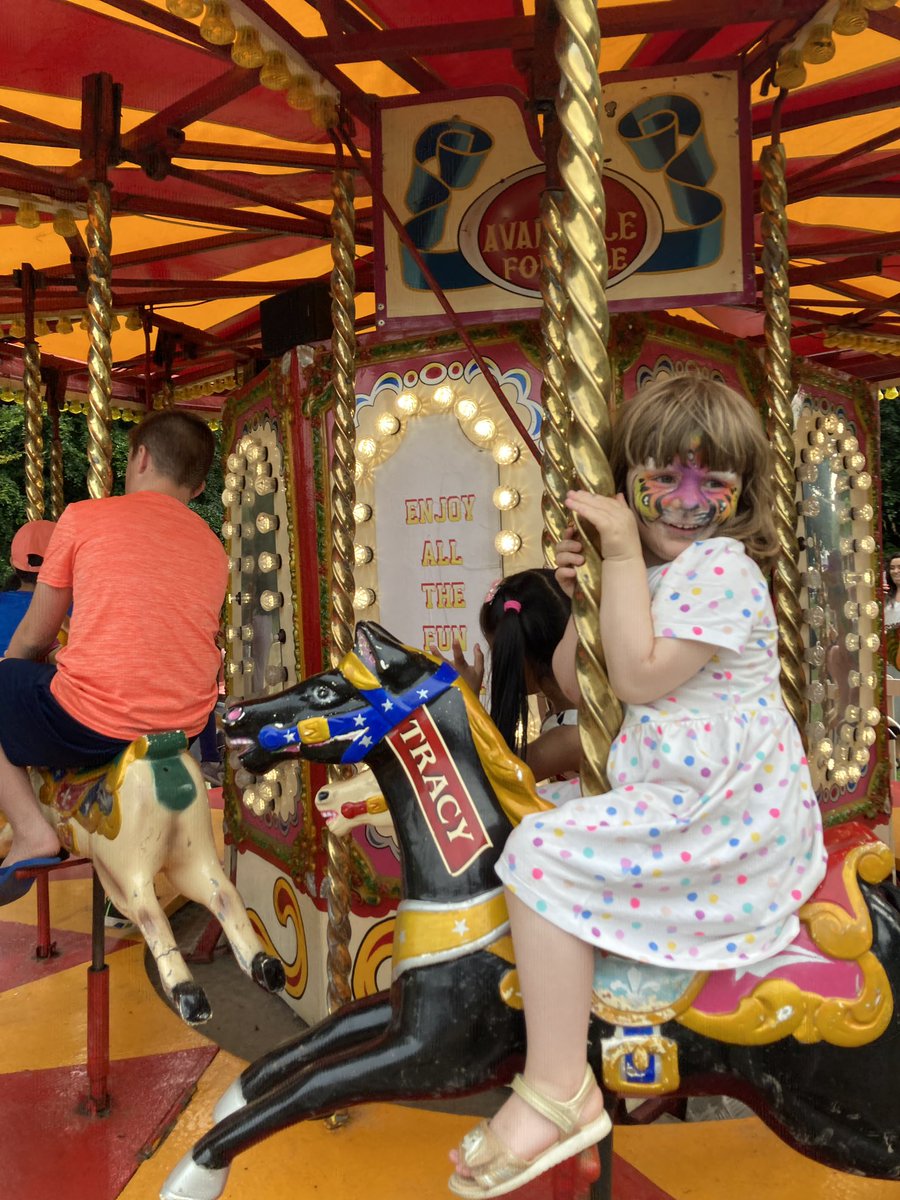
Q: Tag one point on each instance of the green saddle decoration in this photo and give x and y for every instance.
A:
(175, 789)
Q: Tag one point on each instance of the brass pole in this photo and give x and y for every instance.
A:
(343, 529)
(99, 305)
(588, 382)
(56, 390)
(779, 393)
(34, 432)
(31, 389)
(556, 462)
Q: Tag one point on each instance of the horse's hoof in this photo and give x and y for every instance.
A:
(268, 971)
(230, 1101)
(191, 1004)
(189, 1181)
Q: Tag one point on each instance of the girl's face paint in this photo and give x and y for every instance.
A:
(679, 503)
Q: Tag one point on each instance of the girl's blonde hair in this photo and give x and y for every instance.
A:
(665, 420)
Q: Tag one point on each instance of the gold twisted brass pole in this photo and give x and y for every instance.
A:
(587, 373)
(57, 494)
(556, 461)
(779, 393)
(99, 304)
(34, 432)
(343, 529)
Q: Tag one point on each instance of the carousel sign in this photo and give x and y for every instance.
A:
(466, 179)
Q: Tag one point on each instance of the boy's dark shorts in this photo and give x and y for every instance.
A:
(35, 731)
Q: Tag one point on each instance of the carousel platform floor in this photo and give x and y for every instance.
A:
(164, 1079)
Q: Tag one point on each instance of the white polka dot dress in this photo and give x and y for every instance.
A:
(711, 838)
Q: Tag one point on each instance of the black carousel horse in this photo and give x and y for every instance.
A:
(810, 1039)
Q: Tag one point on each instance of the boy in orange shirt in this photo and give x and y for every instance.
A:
(145, 578)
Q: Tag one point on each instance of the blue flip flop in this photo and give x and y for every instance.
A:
(12, 888)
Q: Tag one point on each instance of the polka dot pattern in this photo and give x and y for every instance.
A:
(711, 838)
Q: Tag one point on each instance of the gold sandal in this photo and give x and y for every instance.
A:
(496, 1170)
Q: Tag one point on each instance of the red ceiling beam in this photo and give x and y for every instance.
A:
(47, 129)
(874, 243)
(843, 268)
(623, 20)
(341, 19)
(166, 253)
(823, 165)
(259, 155)
(862, 92)
(835, 182)
(256, 196)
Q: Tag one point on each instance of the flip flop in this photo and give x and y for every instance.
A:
(12, 888)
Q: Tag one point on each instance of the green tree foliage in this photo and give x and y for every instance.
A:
(74, 437)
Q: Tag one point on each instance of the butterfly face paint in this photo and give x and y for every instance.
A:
(686, 497)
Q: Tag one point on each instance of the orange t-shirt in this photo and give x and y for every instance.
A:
(148, 578)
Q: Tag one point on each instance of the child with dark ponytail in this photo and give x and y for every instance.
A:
(522, 620)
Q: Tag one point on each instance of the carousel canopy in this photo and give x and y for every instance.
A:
(221, 168)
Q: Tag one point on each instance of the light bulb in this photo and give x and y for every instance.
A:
(505, 453)
(363, 598)
(17, 327)
(63, 324)
(133, 320)
(247, 51)
(256, 452)
(362, 554)
(236, 462)
(851, 18)
(264, 485)
(465, 409)
(507, 542)
(274, 73)
(505, 498)
(269, 561)
(443, 396)
(407, 403)
(64, 223)
(271, 600)
(790, 71)
(484, 429)
(266, 522)
(362, 513)
(387, 424)
(300, 94)
(41, 328)
(819, 46)
(217, 27)
(324, 113)
(366, 449)
(27, 216)
(188, 9)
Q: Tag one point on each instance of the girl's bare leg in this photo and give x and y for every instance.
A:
(555, 978)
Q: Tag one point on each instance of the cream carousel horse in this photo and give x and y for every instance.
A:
(146, 812)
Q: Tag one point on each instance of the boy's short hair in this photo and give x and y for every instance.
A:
(180, 444)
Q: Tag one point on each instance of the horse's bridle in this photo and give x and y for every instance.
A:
(367, 726)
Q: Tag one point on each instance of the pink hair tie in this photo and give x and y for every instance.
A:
(512, 606)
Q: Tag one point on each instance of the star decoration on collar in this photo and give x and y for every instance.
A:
(461, 928)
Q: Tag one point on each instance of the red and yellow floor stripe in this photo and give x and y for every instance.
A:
(52, 1151)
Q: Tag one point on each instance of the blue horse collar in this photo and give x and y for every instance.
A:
(369, 725)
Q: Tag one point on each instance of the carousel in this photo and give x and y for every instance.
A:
(409, 264)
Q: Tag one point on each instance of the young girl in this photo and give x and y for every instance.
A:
(710, 839)
(523, 619)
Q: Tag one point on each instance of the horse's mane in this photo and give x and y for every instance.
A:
(511, 779)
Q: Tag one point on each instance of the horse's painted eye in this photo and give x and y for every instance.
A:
(324, 692)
